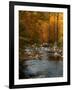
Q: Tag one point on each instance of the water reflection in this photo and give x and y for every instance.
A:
(43, 65)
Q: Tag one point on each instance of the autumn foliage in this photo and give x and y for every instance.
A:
(40, 27)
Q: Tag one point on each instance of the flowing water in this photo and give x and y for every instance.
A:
(41, 67)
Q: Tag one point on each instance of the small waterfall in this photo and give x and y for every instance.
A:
(44, 54)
